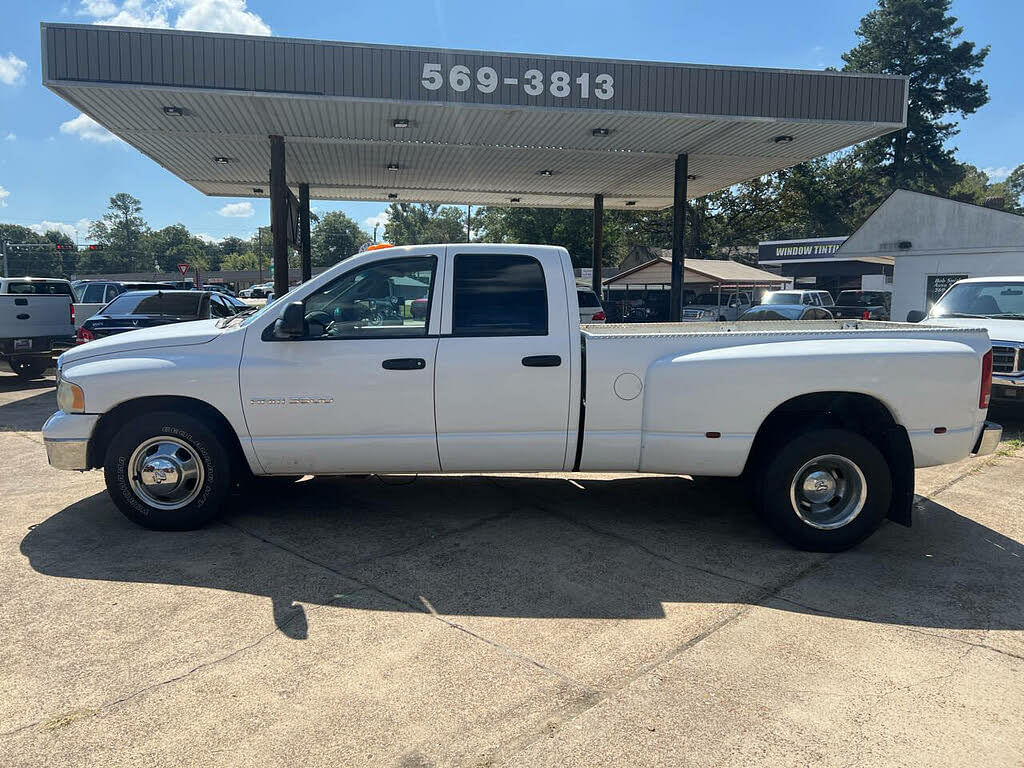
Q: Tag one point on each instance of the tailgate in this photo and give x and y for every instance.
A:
(32, 316)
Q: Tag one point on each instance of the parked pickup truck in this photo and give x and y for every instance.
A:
(997, 305)
(865, 305)
(37, 321)
(826, 420)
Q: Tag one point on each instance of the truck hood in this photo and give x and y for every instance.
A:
(158, 337)
(998, 330)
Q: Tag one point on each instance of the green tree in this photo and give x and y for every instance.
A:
(33, 262)
(335, 237)
(570, 228)
(412, 223)
(232, 244)
(920, 39)
(174, 245)
(1013, 190)
(63, 261)
(239, 261)
(120, 233)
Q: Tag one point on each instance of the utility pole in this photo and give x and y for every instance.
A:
(469, 218)
(375, 233)
(259, 250)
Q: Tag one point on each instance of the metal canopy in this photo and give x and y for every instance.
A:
(487, 128)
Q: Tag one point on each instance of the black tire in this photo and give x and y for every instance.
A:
(823, 458)
(30, 369)
(204, 495)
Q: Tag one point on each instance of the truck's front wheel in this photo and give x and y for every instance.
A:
(825, 489)
(167, 471)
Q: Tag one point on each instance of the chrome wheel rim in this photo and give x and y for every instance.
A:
(166, 473)
(828, 492)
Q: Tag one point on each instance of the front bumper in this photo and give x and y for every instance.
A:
(1007, 387)
(66, 437)
(988, 440)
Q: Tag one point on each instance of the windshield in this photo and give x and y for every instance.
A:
(781, 297)
(995, 299)
(136, 303)
(712, 299)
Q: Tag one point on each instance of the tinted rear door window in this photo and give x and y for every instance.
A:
(499, 295)
(37, 288)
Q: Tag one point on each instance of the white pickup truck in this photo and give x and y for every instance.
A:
(827, 419)
(37, 322)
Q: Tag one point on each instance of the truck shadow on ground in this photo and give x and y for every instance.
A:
(536, 547)
(27, 413)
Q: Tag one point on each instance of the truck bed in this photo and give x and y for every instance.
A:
(674, 382)
(763, 328)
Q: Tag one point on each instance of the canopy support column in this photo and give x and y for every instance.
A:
(675, 310)
(307, 259)
(279, 215)
(598, 244)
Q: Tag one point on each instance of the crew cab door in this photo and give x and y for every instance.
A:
(502, 385)
(356, 392)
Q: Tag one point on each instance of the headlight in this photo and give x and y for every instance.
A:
(70, 397)
(707, 313)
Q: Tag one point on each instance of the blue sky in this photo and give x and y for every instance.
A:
(54, 171)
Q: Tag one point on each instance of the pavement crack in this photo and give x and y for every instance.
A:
(169, 681)
(568, 714)
(425, 606)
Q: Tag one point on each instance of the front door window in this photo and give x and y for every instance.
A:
(385, 299)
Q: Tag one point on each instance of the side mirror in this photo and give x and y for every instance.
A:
(915, 316)
(292, 322)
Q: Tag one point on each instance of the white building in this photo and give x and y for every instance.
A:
(937, 242)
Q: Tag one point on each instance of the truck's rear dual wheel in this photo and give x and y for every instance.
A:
(825, 490)
(167, 471)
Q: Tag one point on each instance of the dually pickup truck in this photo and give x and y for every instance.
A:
(827, 420)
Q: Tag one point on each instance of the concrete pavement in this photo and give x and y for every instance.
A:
(488, 621)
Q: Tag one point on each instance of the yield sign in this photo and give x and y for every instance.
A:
(183, 268)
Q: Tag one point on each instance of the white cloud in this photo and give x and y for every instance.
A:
(10, 136)
(12, 69)
(88, 129)
(997, 174)
(220, 16)
(76, 231)
(4, 194)
(97, 8)
(237, 210)
(380, 219)
(202, 15)
(207, 238)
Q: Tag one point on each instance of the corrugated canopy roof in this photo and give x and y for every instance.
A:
(657, 271)
(481, 128)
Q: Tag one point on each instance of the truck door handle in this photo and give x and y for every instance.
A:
(542, 361)
(404, 364)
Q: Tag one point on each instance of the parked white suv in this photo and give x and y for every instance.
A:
(591, 310)
(717, 305)
(997, 305)
(806, 298)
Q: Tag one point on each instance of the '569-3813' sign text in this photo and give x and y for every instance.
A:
(534, 82)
